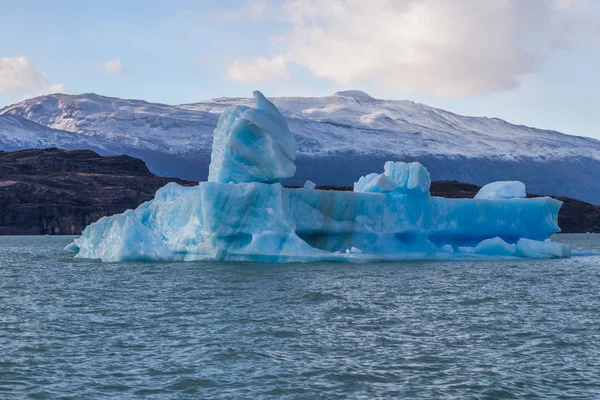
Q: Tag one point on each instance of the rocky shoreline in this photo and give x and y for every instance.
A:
(53, 191)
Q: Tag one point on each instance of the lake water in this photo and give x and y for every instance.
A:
(494, 329)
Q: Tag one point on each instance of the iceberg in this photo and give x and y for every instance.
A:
(398, 177)
(309, 185)
(374, 183)
(409, 177)
(502, 190)
(252, 145)
(243, 213)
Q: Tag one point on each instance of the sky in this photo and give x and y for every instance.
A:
(530, 62)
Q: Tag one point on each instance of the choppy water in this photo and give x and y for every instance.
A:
(496, 329)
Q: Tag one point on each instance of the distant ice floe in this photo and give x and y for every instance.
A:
(243, 213)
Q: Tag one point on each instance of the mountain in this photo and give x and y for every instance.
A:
(340, 138)
(17, 133)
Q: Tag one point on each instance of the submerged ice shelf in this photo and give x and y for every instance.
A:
(243, 212)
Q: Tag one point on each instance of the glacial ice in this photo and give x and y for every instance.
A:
(374, 183)
(502, 190)
(398, 177)
(410, 178)
(309, 185)
(252, 145)
(243, 213)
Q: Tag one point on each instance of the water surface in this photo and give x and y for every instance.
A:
(496, 329)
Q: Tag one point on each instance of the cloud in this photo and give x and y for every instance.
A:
(19, 77)
(113, 67)
(564, 5)
(442, 47)
(259, 70)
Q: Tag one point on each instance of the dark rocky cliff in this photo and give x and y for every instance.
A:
(56, 191)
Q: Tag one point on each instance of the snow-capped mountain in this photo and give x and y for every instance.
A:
(18, 133)
(353, 120)
(340, 137)
(130, 123)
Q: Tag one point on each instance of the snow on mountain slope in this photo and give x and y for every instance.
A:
(345, 120)
(340, 137)
(353, 119)
(130, 123)
(17, 133)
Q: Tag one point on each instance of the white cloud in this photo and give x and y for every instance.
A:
(259, 70)
(114, 66)
(19, 77)
(443, 47)
(564, 5)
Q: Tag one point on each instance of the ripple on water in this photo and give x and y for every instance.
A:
(498, 329)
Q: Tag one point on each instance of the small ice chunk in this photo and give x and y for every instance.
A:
(447, 249)
(374, 183)
(359, 186)
(72, 247)
(398, 177)
(309, 185)
(538, 249)
(355, 250)
(502, 190)
(409, 177)
(495, 247)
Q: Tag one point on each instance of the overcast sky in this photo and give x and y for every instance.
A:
(532, 62)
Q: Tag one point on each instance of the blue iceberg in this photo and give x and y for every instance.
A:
(252, 145)
(243, 213)
(398, 177)
(502, 191)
